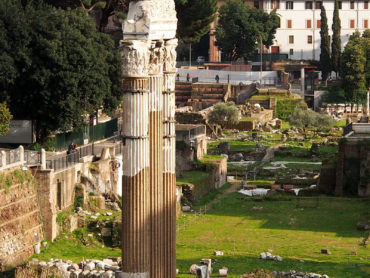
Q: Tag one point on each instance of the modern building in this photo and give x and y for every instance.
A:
(300, 22)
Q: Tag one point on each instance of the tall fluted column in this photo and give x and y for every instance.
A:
(169, 148)
(157, 233)
(135, 180)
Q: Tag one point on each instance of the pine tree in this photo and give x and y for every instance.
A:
(241, 27)
(336, 44)
(325, 62)
(195, 18)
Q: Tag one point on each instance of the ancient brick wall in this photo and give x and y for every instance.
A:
(20, 223)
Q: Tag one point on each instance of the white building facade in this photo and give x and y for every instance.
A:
(300, 21)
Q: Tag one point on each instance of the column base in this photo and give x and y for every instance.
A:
(131, 275)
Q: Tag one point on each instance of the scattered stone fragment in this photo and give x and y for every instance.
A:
(208, 263)
(36, 248)
(89, 266)
(185, 208)
(223, 272)
(218, 253)
(256, 208)
(202, 271)
(325, 251)
(192, 269)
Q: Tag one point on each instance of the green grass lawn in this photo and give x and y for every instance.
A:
(70, 248)
(295, 234)
(230, 225)
(192, 177)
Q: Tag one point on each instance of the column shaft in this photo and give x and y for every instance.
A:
(169, 174)
(157, 233)
(135, 193)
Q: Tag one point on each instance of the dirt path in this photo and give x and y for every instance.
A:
(270, 153)
(233, 188)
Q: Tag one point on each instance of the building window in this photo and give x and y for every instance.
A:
(318, 23)
(318, 5)
(291, 52)
(339, 5)
(366, 5)
(352, 5)
(289, 5)
(257, 4)
(366, 23)
(308, 5)
(352, 23)
(309, 39)
(291, 39)
(275, 4)
(308, 23)
(289, 23)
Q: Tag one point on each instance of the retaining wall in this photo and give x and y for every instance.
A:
(20, 223)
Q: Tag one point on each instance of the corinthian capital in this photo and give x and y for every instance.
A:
(170, 55)
(135, 58)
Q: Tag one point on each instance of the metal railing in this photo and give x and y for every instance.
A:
(68, 160)
(63, 162)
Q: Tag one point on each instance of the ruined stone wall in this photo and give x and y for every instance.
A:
(20, 224)
(242, 125)
(353, 168)
(56, 190)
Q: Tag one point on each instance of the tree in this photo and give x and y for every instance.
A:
(194, 18)
(72, 71)
(325, 62)
(336, 46)
(224, 114)
(366, 45)
(103, 8)
(241, 27)
(353, 68)
(306, 118)
(14, 38)
(5, 118)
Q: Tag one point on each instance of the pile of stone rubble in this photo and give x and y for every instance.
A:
(269, 256)
(294, 274)
(107, 268)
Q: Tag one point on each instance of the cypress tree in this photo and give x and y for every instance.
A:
(325, 62)
(336, 44)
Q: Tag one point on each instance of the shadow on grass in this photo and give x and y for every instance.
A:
(239, 264)
(336, 215)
